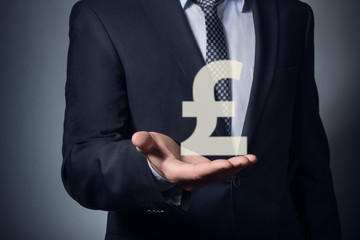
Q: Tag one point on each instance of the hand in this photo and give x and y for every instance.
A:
(189, 172)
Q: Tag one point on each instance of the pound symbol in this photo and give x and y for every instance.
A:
(207, 110)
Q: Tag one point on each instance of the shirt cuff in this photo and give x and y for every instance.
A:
(162, 183)
(170, 191)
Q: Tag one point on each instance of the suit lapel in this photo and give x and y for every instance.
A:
(266, 31)
(168, 18)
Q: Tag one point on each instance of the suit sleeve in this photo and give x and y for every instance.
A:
(312, 186)
(101, 168)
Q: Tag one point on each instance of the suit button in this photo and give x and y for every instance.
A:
(236, 181)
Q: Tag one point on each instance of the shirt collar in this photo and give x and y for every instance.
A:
(239, 3)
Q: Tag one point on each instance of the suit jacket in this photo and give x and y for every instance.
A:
(131, 64)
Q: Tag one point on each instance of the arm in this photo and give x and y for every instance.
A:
(312, 186)
(101, 167)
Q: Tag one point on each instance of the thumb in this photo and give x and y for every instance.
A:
(143, 141)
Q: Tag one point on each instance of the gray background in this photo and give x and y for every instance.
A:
(33, 202)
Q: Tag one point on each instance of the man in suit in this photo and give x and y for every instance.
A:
(131, 65)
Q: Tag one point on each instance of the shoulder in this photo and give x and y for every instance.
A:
(108, 7)
(295, 7)
(108, 12)
(295, 12)
(106, 3)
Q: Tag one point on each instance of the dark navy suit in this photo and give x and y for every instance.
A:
(131, 64)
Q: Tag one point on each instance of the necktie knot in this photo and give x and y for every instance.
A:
(208, 3)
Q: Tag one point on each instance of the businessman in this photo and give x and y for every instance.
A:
(132, 63)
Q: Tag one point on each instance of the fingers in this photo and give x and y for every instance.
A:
(194, 159)
(215, 171)
(243, 161)
(195, 173)
(198, 175)
(217, 167)
(201, 171)
(143, 141)
(252, 158)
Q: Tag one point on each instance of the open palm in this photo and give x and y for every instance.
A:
(189, 172)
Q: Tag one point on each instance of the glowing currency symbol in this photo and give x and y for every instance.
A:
(207, 110)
